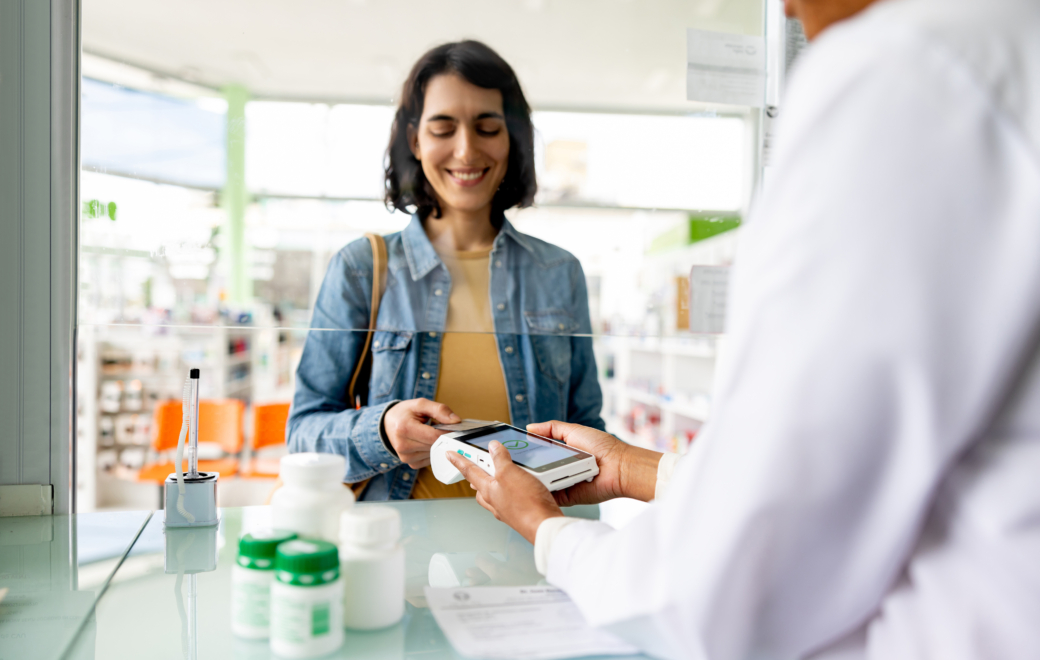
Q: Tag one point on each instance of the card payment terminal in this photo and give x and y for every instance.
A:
(555, 464)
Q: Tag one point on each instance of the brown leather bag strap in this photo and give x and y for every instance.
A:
(379, 271)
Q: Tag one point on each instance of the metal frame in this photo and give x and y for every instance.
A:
(65, 167)
(39, 179)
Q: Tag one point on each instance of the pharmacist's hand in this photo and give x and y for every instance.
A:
(624, 470)
(514, 496)
(406, 428)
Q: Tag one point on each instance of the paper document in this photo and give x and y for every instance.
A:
(540, 623)
(725, 68)
(709, 288)
(794, 43)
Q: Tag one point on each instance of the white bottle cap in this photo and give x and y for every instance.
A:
(370, 525)
(312, 468)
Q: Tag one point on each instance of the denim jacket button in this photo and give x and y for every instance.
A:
(383, 466)
(433, 334)
(509, 350)
(406, 476)
(426, 375)
(520, 398)
(437, 292)
(498, 263)
(501, 306)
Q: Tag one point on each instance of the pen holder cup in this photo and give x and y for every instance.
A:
(200, 500)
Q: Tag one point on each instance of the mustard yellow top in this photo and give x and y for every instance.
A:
(471, 381)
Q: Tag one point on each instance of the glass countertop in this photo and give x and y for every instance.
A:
(53, 570)
(135, 600)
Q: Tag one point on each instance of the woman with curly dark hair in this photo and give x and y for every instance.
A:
(477, 320)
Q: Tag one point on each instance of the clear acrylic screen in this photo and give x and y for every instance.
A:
(234, 158)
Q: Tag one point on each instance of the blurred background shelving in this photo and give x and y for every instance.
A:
(657, 378)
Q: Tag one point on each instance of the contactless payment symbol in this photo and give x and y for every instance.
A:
(515, 444)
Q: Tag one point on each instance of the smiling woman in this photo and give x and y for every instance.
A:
(462, 132)
(478, 320)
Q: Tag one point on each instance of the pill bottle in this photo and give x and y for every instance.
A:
(306, 600)
(313, 495)
(372, 563)
(251, 579)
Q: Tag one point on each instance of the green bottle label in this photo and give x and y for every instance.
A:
(320, 617)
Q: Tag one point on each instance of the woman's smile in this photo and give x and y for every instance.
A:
(467, 177)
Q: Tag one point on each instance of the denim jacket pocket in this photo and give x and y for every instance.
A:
(550, 337)
(388, 352)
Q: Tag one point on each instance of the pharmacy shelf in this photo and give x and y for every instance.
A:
(617, 428)
(692, 411)
(237, 359)
(671, 376)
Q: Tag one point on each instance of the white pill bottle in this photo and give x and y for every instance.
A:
(312, 496)
(371, 560)
(251, 580)
(306, 600)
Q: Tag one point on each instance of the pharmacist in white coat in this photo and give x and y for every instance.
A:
(869, 483)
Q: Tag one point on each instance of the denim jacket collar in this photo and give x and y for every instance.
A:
(421, 256)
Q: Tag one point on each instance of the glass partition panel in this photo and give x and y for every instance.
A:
(227, 192)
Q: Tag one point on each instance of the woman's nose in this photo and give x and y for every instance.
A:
(465, 145)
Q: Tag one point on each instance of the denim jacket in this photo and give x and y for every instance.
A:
(540, 311)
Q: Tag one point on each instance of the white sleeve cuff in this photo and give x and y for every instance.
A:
(544, 538)
(665, 470)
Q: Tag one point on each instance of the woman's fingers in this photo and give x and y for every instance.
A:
(438, 412)
(422, 434)
(418, 462)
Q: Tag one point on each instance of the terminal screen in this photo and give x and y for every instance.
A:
(525, 449)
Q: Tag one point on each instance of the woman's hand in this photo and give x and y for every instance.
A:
(406, 428)
(624, 470)
(514, 496)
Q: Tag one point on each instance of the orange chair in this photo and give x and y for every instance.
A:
(220, 421)
(269, 420)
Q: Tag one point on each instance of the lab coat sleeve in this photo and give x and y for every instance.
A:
(665, 470)
(551, 527)
(544, 537)
(321, 419)
(884, 292)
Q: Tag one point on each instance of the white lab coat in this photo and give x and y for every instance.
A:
(869, 485)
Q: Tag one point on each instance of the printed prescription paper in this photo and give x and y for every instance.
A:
(725, 68)
(539, 623)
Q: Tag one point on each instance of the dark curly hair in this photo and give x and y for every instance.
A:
(406, 185)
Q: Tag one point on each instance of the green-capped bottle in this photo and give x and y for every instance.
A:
(251, 579)
(306, 599)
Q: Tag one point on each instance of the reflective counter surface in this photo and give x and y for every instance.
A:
(100, 585)
(53, 570)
